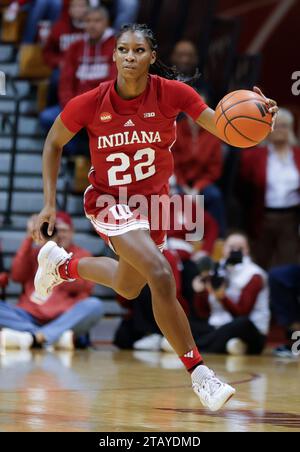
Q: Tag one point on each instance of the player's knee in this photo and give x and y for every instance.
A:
(161, 278)
(128, 292)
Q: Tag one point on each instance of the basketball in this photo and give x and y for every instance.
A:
(242, 118)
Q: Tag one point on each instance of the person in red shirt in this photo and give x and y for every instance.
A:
(182, 222)
(69, 312)
(37, 10)
(68, 29)
(180, 226)
(64, 32)
(198, 163)
(87, 62)
(131, 122)
(269, 188)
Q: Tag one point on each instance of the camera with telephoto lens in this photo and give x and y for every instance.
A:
(216, 273)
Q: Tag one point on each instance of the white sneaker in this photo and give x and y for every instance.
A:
(50, 257)
(11, 339)
(166, 346)
(150, 343)
(212, 392)
(236, 347)
(66, 341)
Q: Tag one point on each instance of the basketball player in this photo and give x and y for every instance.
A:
(131, 127)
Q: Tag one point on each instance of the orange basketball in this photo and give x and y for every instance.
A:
(242, 118)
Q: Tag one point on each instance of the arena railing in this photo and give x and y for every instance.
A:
(12, 119)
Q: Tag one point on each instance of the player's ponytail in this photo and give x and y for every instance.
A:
(158, 68)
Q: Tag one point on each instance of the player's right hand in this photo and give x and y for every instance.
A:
(47, 215)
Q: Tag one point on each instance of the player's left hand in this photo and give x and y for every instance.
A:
(271, 105)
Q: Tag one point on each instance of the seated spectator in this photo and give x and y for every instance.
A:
(198, 164)
(65, 318)
(180, 226)
(185, 57)
(285, 294)
(121, 11)
(124, 12)
(182, 222)
(86, 63)
(37, 10)
(68, 29)
(270, 187)
(236, 293)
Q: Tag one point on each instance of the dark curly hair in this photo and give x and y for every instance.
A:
(157, 68)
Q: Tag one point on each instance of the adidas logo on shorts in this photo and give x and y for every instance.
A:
(129, 123)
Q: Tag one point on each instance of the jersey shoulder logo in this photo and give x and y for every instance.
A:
(105, 116)
(150, 114)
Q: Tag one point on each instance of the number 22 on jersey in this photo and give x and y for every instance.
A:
(142, 170)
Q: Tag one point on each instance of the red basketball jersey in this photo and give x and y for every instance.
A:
(130, 140)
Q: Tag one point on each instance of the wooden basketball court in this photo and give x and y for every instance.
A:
(109, 390)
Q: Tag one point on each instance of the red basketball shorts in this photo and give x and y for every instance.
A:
(112, 217)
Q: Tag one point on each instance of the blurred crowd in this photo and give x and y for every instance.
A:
(230, 296)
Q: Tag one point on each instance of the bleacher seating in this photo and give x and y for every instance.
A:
(27, 194)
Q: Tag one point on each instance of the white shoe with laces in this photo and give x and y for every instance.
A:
(212, 392)
(50, 257)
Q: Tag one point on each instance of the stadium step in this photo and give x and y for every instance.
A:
(10, 68)
(6, 53)
(26, 126)
(23, 144)
(81, 223)
(30, 202)
(27, 163)
(11, 241)
(22, 86)
(8, 105)
(25, 202)
(24, 163)
(28, 183)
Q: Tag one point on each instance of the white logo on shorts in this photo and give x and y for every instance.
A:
(121, 212)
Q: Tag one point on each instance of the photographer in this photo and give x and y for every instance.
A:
(236, 292)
